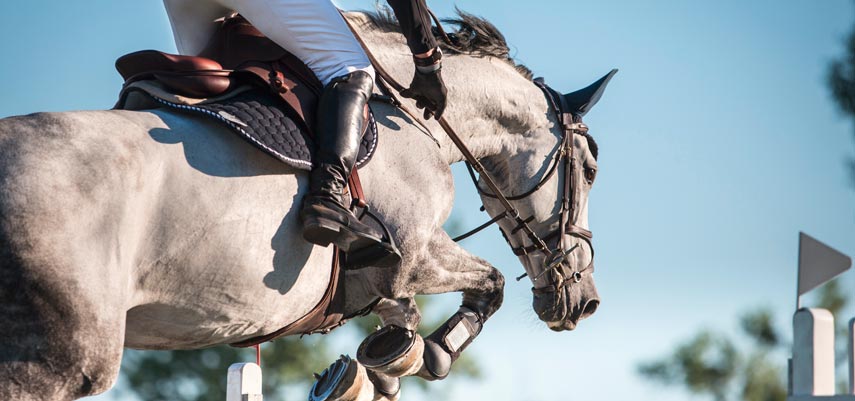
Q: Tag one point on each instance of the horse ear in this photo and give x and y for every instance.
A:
(581, 101)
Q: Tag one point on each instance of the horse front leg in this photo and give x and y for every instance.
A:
(444, 267)
(482, 286)
(396, 350)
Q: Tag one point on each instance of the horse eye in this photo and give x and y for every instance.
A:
(590, 174)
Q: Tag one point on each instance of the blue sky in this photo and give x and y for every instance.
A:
(719, 142)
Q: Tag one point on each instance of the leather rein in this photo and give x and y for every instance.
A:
(571, 126)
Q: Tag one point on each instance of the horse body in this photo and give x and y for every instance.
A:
(156, 230)
(153, 230)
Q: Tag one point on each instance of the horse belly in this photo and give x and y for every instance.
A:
(235, 275)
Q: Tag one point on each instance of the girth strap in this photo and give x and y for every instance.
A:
(327, 313)
(324, 316)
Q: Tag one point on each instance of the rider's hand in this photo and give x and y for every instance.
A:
(427, 88)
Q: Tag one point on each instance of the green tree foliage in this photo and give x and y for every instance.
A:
(706, 364)
(726, 368)
(841, 81)
(718, 366)
(201, 374)
(288, 364)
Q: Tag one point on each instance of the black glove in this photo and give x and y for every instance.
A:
(427, 88)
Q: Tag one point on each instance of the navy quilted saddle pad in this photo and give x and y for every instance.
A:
(261, 119)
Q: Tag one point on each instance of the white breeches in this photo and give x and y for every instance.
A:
(312, 30)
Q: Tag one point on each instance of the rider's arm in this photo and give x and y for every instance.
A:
(427, 88)
(415, 25)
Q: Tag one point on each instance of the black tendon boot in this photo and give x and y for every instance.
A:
(325, 218)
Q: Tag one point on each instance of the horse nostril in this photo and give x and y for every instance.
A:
(590, 308)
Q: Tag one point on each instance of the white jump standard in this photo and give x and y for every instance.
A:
(812, 367)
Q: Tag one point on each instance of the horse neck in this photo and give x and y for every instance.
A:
(491, 106)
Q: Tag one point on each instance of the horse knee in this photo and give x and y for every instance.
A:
(498, 281)
(54, 345)
(487, 300)
(55, 378)
(52, 368)
(99, 373)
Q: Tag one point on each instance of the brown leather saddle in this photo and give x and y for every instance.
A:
(239, 55)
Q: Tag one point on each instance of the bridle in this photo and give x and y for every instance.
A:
(571, 125)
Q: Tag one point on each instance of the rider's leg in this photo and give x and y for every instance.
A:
(315, 32)
(325, 218)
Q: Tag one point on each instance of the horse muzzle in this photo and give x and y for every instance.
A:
(570, 322)
(564, 309)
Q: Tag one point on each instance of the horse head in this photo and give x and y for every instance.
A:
(549, 181)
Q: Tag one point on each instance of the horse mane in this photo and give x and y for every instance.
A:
(473, 35)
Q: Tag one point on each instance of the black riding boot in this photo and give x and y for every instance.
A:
(325, 218)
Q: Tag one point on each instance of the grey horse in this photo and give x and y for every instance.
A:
(157, 230)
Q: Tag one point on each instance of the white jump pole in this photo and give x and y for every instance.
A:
(813, 352)
(244, 382)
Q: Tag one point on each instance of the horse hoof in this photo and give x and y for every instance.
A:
(335, 380)
(344, 380)
(392, 350)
